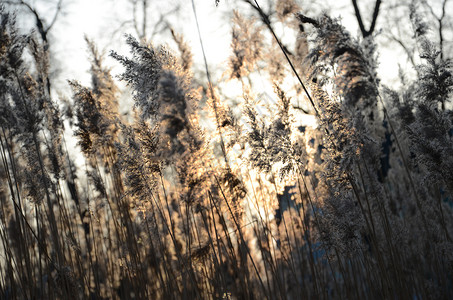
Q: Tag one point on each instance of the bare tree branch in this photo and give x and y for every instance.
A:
(43, 31)
(57, 12)
(40, 26)
(365, 32)
(142, 28)
(266, 20)
(440, 21)
(409, 52)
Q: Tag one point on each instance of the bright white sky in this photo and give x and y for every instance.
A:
(99, 19)
(91, 17)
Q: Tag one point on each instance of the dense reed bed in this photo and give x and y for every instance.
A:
(201, 193)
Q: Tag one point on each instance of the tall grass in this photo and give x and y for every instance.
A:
(198, 197)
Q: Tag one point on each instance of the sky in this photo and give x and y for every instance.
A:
(91, 18)
(103, 21)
